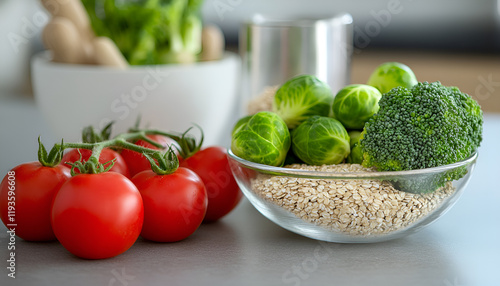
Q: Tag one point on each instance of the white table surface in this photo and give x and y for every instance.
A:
(244, 248)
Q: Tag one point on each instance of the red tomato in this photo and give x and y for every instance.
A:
(212, 166)
(106, 155)
(174, 204)
(97, 216)
(136, 162)
(26, 193)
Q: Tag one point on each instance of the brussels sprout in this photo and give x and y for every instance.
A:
(302, 97)
(390, 75)
(291, 158)
(320, 140)
(355, 104)
(262, 138)
(356, 155)
(240, 123)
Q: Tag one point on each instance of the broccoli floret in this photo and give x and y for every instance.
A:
(426, 126)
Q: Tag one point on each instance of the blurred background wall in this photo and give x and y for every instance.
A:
(21, 22)
(457, 25)
(454, 41)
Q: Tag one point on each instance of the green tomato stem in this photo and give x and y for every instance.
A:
(50, 159)
(166, 163)
(163, 164)
(152, 142)
(133, 147)
(188, 144)
(66, 145)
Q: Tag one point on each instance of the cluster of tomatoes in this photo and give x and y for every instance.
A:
(101, 215)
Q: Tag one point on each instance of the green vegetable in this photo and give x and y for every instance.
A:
(241, 122)
(356, 155)
(149, 31)
(291, 158)
(263, 138)
(390, 75)
(302, 97)
(320, 140)
(355, 104)
(426, 126)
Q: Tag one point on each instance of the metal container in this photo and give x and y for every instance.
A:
(274, 51)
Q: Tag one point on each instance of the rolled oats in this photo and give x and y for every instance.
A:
(355, 207)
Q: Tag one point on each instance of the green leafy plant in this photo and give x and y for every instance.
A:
(149, 31)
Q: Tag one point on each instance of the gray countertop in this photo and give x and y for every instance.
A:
(244, 248)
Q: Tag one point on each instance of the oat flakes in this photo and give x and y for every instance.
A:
(355, 207)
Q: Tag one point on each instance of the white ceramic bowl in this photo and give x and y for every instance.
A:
(167, 97)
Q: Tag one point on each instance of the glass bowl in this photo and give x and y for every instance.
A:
(348, 203)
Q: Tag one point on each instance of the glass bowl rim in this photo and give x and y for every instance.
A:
(289, 172)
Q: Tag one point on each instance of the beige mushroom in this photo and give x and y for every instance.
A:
(72, 10)
(106, 53)
(212, 42)
(62, 38)
(70, 37)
